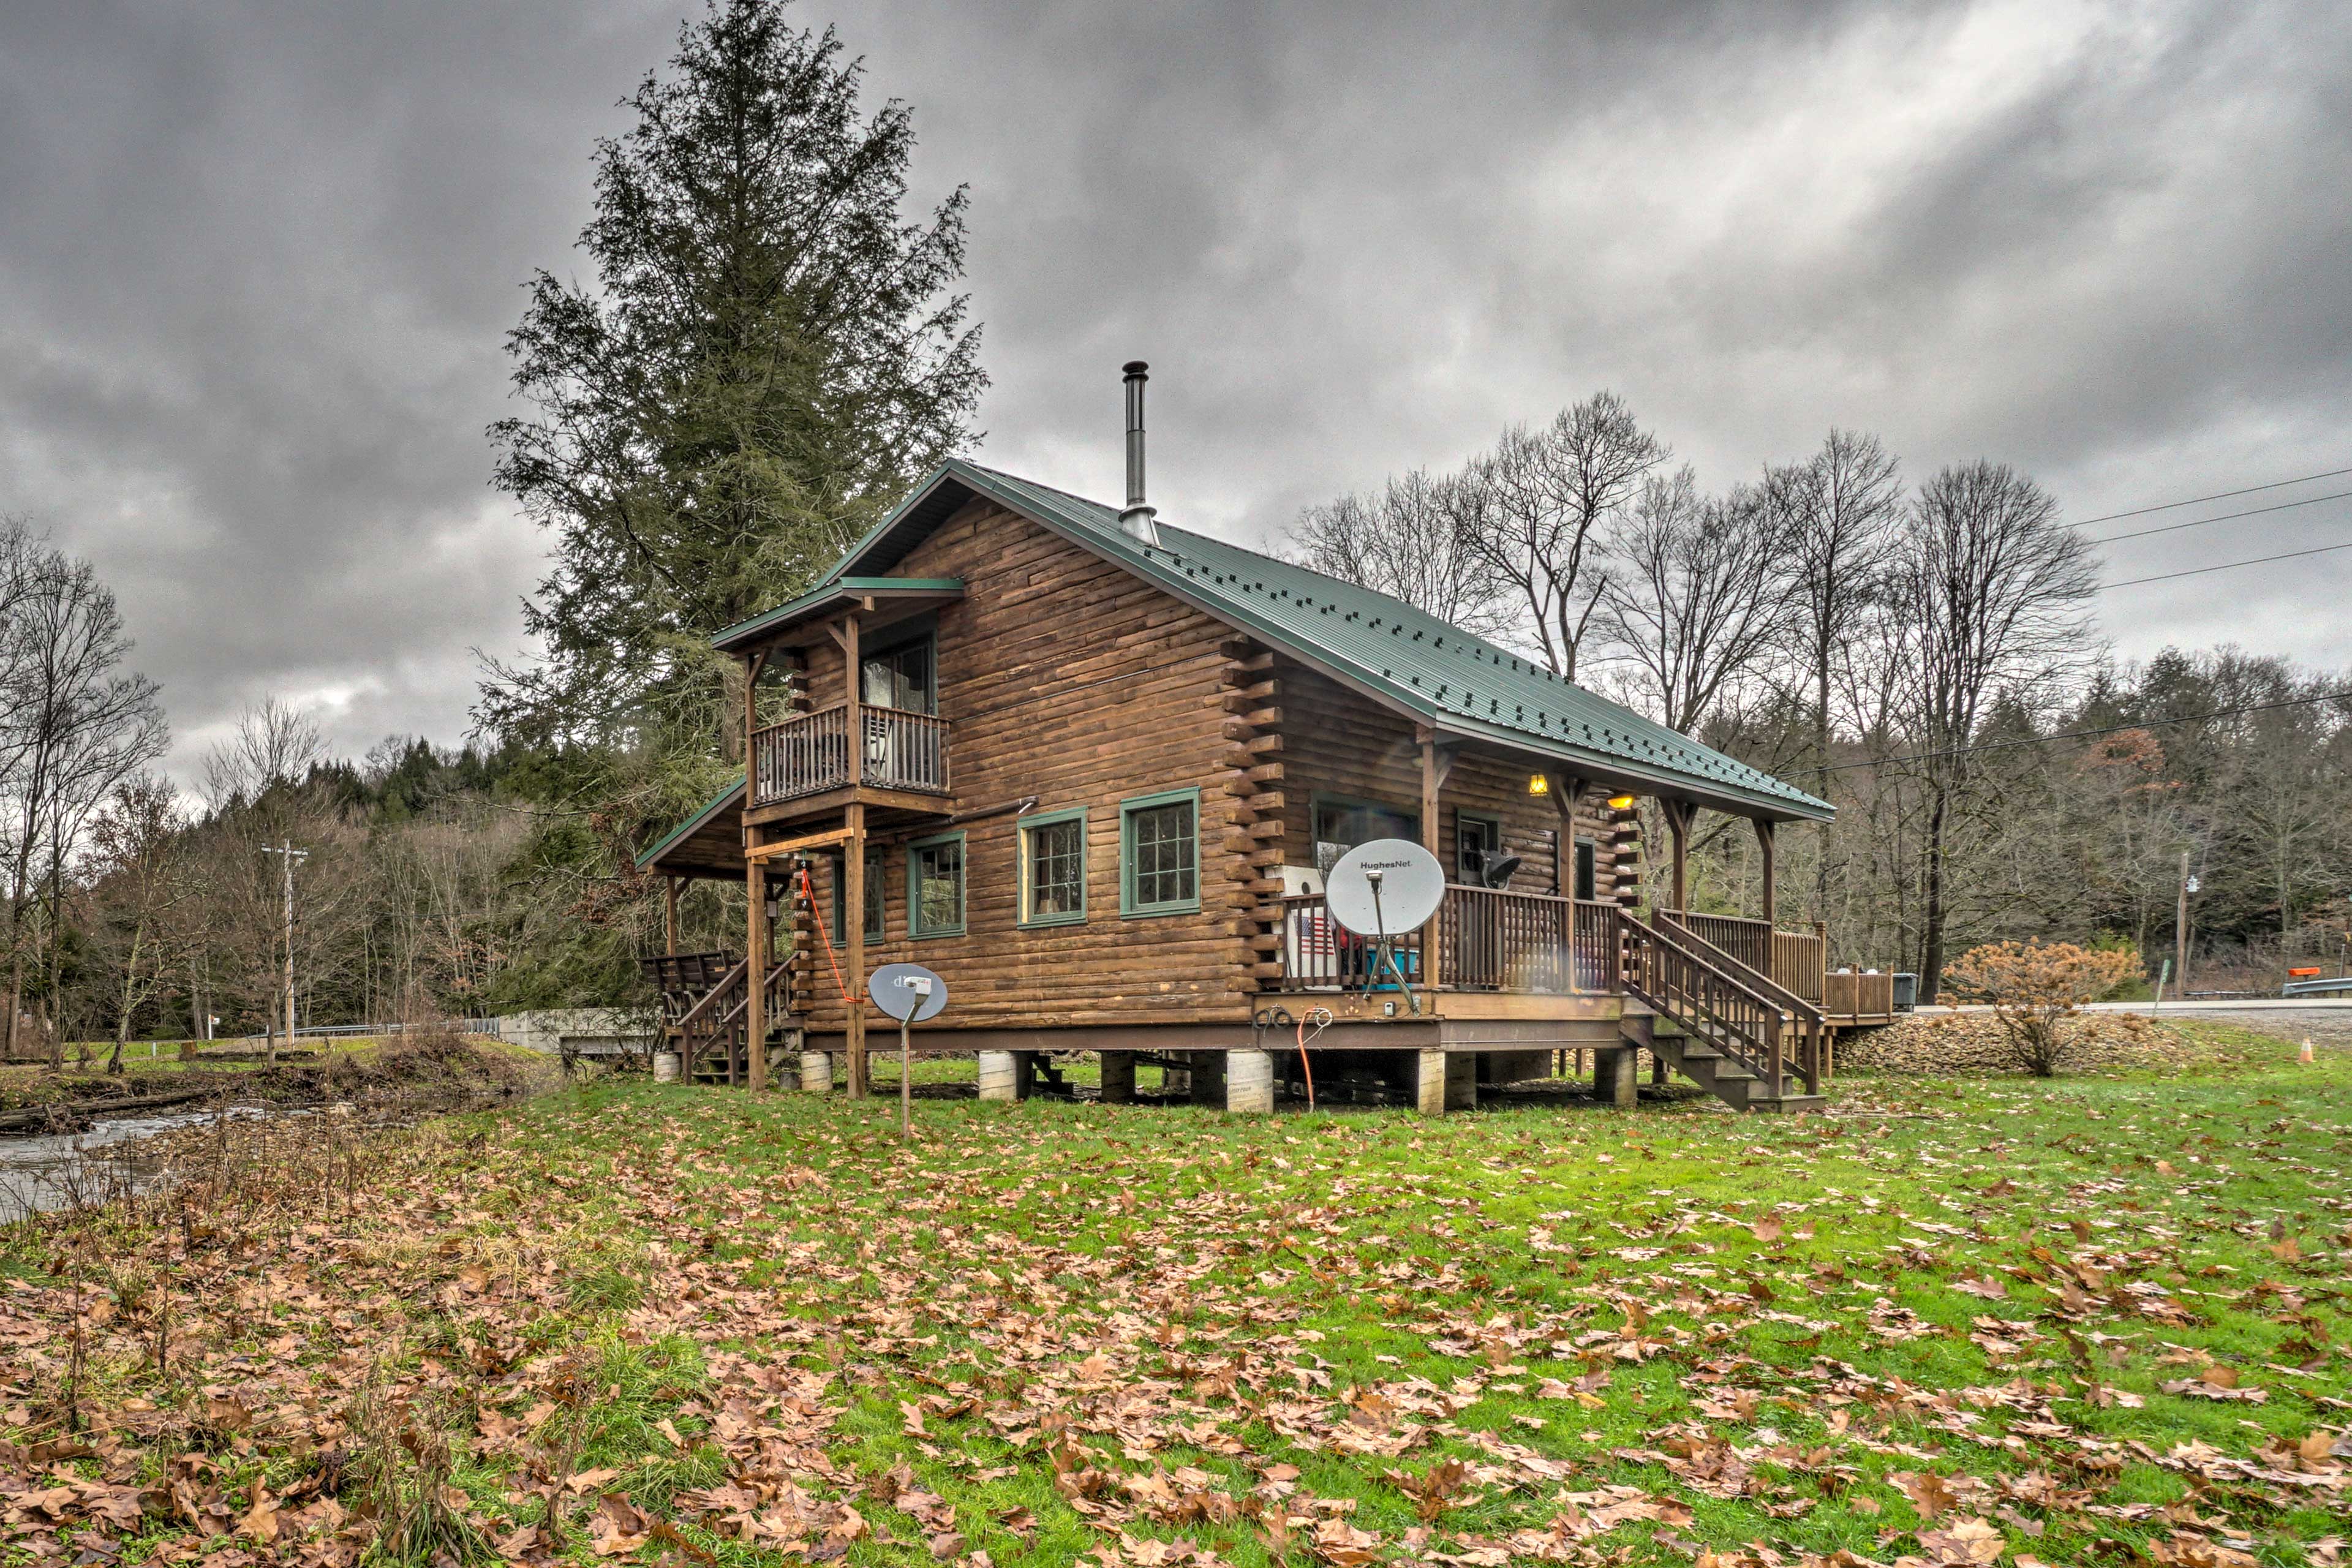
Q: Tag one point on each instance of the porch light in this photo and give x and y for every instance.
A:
(1539, 784)
(1620, 803)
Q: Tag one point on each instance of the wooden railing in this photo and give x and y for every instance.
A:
(704, 998)
(1793, 959)
(1804, 1025)
(1487, 939)
(1320, 954)
(1858, 996)
(1676, 975)
(906, 751)
(809, 752)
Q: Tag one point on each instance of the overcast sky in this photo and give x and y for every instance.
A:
(256, 263)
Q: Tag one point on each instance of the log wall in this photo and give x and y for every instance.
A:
(1065, 678)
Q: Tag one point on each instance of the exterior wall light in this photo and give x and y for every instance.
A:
(1620, 803)
(1539, 784)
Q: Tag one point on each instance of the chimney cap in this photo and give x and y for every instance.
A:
(1135, 368)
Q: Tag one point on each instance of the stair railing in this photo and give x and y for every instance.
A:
(1663, 968)
(1809, 1024)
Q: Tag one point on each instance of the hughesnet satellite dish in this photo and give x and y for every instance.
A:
(1386, 888)
(907, 991)
(1382, 890)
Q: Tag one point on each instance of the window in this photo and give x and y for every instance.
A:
(1053, 868)
(874, 900)
(1475, 837)
(901, 676)
(934, 886)
(1588, 878)
(1341, 825)
(1160, 853)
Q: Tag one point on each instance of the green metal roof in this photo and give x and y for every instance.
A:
(831, 589)
(1463, 684)
(717, 804)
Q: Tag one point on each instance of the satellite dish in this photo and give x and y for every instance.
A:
(907, 991)
(1385, 887)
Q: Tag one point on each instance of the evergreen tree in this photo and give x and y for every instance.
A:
(770, 356)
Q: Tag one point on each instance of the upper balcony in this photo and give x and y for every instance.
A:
(810, 754)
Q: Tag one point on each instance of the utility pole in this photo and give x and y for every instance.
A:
(292, 855)
(2180, 931)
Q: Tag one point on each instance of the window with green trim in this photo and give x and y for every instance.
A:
(934, 886)
(1159, 853)
(1053, 868)
(1477, 836)
(874, 898)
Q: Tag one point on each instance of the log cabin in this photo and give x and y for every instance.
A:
(1090, 768)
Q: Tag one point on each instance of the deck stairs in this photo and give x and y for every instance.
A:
(705, 1013)
(1746, 1040)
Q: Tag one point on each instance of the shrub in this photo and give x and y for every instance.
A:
(2033, 985)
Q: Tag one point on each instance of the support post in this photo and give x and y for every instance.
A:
(1118, 1077)
(816, 1072)
(1446, 1080)
(1614, 1076)
(1206, 1084)
(2179, 939)
(1678, 825)
(1771, 873)
(755, 999)
(853, 915)
(1249, 1083)
(1432, 963)
(669, 916)
(999, 1076)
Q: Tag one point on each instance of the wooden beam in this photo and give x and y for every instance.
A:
(1771, 882)
(853, 915)
(1432, 972)
(759, 852)
(669, 916)
(755, 998)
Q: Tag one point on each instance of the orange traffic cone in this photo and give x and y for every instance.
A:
(2306, 1057)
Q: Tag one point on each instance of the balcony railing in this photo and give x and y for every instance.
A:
(1487, 939)
(810, 752)
(1793, 959)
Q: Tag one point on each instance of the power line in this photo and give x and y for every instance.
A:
(2092, 734)
(2218, 495)
(2225, 517)
(2224, 566)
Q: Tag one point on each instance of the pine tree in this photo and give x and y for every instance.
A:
(771, 353)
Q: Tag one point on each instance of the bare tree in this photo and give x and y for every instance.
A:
(1536, 508)
(1693, 596)
(1400, 540)
(1997, 593)
(1836, 513)
(261, 786)
(78, 725)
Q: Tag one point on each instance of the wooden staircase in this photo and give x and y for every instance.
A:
(1744, 1038)
(706, 999)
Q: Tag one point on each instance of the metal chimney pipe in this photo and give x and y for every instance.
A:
(1139, 519)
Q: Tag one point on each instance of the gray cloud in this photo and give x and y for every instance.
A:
(257, 262)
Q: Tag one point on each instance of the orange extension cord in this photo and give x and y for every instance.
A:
(824, 940)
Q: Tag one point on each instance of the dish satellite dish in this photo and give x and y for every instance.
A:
(1386, 888)
(907, 991)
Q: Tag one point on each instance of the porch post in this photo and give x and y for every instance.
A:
(755, 999)
(1432, 960)
(669, 916)
(853, 915)
(1771, 882)
(1678, 825)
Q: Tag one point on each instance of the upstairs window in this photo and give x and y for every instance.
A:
(1159, 853)
(1342, 825)
(1053, 868)
(904, 677)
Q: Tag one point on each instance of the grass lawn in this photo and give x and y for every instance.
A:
(1955, 1320)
